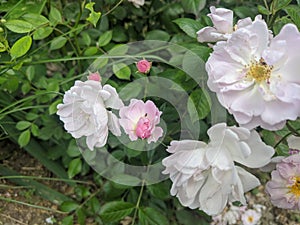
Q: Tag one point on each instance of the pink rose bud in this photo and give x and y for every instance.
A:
(143, 66)
(94, 76)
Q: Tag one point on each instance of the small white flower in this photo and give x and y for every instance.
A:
(84, 112)
(255, 76)
(137, 3)
(251, 217)
(204, 175)
(293, 142)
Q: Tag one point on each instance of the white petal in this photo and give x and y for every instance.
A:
(113, 124)
(114, 101)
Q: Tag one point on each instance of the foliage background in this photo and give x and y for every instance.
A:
(46, 45)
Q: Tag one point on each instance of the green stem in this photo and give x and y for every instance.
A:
(112, 9)
(137, 206)
(292, 129)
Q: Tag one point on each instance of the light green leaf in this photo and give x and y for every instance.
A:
(35, 19)
(294, 12)
(53, 107)
(150, 216)
(18, 26)
(58, 43)
(122, 71)
(69, 206)
(125, 179)
(42, 33)
(93, 16)
(24, 138)
(22, 125)
(105, 38)
(21, 47)
(189, 26)
(75, 167)
(115, 211)
(263, 10)
(55, 16)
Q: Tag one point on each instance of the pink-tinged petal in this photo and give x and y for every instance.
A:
(244, 22)
(156, 134)
(185, 145)
(210, 34)
(222, 19)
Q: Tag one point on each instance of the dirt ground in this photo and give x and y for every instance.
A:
(16, 213)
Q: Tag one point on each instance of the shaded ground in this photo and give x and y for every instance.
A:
(16, 213)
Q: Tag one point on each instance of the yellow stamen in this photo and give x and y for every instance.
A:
(250, 219)
(259, 71)
(295, 188)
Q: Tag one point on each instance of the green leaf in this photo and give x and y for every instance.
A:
(75, 167)
(26, 87)
(42, 33)
(294, 13)
(201, 101)
(93, 16)
(193, 6)
(160, 191)
(24, 138)
(105, 38)
(73, 150)
(150, 216)
(18, 26)
(67, 221)
(34, 130)
(55, 16)
(125, 179)
(30, 72)
(122, 71)
(279, 4)
(53, 107)
(81, 216)
(263, 10)
(189, 26)
(35, 19)
(115, 211)
(157, 35)
(21, 47)
(69, 206)
(58, 43)
(22, 125)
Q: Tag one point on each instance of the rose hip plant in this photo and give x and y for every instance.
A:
(155, 112)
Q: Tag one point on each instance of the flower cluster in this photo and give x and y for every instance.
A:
(86, 112)
(259, 74)
(205, 176)
(239, 215)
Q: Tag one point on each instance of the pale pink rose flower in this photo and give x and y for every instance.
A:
(222, 29)
(284, 186)
(140, 120)
(205, 176)
(94, 76)
(256, 77)
(143, 66)
(251, 217)
(137, 3)
(84, 112)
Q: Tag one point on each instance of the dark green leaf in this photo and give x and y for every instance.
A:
(193, 6)
(294, 13)
(201, 101)
(21, 47)
(150, 216)
(189, 26)
(42, 33)
(263, 10)
(67, 220)
(160, 191)
(157, 35)
(115, 211)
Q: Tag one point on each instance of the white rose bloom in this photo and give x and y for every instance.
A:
(84, 112)
(137, 3)
(257, 77)
(204, 175)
